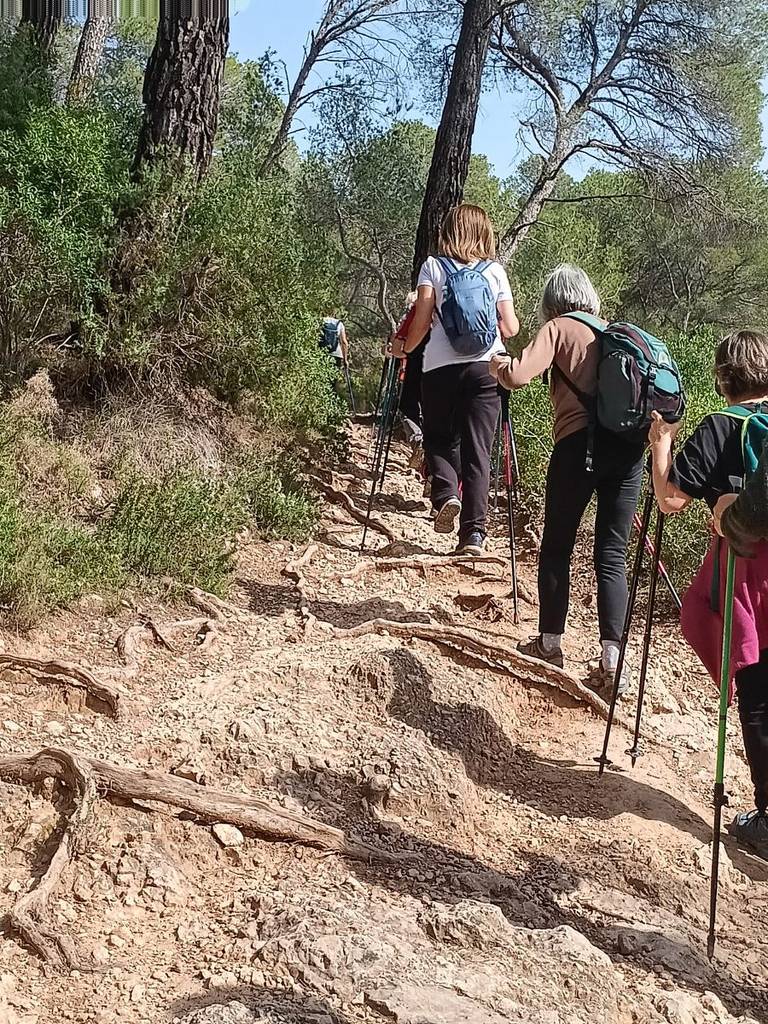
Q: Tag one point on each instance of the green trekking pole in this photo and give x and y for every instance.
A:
(720, 799)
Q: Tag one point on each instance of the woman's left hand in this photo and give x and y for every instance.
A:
(661, 431)
(396, 349)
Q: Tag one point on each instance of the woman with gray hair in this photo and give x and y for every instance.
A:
(567, 347)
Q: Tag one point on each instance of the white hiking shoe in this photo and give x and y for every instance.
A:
(447, 516)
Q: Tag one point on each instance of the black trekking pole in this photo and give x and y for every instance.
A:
(603, 760)
(497, 460)
(348, 378)
(387, 373)
(635, 751)
(393, 416)
(510, 473)
(383, 441)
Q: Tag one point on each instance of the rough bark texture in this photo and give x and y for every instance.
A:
(182, 86)
(90, 51)
(453, 145)
(45, 17)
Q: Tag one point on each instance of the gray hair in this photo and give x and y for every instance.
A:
(568, 290)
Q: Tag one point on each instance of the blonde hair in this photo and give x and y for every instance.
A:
(568, 290)
(466, 235)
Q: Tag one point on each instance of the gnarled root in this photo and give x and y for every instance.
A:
(293, 572)
(126, 644)
(100, 697)
(489, 649)
(344, 499)
(29, 917)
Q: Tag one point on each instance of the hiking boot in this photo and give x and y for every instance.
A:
(416, 461)
(602, 681)
(427, 492)
(473, 544)
(534, 648)
(447, 516)
(752, 829)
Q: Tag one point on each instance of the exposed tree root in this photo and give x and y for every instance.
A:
(29, 918)
(126, 644)
(84, 777)
(489, 649)
(293, 572)
(344, 499)
(98, 695)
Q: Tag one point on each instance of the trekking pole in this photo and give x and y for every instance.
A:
(393, 415)
(603, 760)
(662, 568)
(719, 790)
(348, 377)
(510, 465)
(635, 751)
(381, 401)
(387, 424)
(497, 448)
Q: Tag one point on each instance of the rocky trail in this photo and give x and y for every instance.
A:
(342, 796)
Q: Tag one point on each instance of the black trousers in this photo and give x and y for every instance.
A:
(616, 479)
(410, 399)
(460, 404)
(752, 693)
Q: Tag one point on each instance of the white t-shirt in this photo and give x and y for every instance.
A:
(439, 351)
(333, 322)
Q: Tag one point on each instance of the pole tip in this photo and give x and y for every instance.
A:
(711, 946)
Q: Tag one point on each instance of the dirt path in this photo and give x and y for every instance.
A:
(518, 887)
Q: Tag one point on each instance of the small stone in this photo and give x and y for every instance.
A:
(55, 728)
(137, 993)
(228, 835)
(11, 726)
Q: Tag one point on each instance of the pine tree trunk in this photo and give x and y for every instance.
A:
(453, 145)
(182, 84)
(89, 54)
(45, 17)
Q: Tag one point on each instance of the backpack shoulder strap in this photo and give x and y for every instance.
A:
(483, 265)
(448, 266)
(587, 319)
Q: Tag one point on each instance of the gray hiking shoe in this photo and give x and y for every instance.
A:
(447, 516)
(752, 829)
(473, 544)
(534, 648)
(602, 681)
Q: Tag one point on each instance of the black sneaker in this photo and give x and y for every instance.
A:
(473, 544)
(447, 516)
(534, 648)
(752, 829)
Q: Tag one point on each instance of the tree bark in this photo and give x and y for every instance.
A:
(182, 85)
(453, 145)
(89, 54)
(45, 17)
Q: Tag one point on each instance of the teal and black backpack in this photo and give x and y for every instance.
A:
(636, 376)
(754, 437)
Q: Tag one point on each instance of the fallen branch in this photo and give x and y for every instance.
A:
(293, 572)
(490, 650)
(344, 499)
(65, 674)
(29, 917)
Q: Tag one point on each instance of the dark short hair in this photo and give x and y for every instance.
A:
(741, 365)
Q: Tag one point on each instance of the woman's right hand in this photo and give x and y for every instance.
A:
(499, 364)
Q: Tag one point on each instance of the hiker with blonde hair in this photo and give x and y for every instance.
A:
(586, 460)
(465, 301)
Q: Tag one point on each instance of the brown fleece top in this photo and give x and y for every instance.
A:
(572, 347)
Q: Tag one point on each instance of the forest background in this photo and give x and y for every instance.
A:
(161, 288)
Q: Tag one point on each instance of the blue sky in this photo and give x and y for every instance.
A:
(283, 25)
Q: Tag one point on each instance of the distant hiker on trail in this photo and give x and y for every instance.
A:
(567, 345)
(712, 465)
(333, 340)
(464, 298)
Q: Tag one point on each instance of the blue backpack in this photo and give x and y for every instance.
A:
(468, 310)
(636, 376)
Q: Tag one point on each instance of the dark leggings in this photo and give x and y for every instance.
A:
(752, 691)
(461, 408)
(616, 479)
